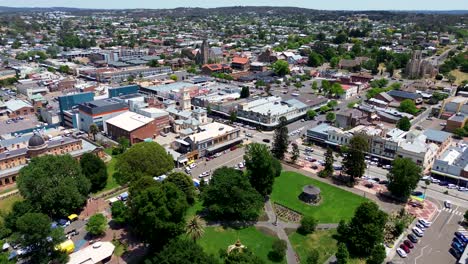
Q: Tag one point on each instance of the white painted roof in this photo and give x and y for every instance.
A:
(92, 254)
(129, 121)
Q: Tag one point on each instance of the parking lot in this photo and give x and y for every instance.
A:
(17, 125)
(434, 246)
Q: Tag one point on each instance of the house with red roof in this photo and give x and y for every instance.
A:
(240, 63)
(209, 69)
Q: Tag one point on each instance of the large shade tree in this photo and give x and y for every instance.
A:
(229, 196)
(403, 177)
(95, 170)
(54, 184)
(354, 161)
(182, 251)
(260, 168)
(364, 231)
(158, 213)
(184, 183)
(144, 159)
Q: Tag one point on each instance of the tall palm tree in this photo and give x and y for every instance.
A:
(195, 228)
(93, 129)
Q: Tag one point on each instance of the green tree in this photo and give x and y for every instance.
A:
(233, 116)
(354, 163)
(54, 184)
(245, 92)
(311, 114)
(315, 59)
(16, 45)
(341, 38)
(120, 214)
(337, 90)
(314, 86)
(153, 63)
(280, 139)
(404, 124)
(64, 69)
(182, 251)
(329, 160)
(144, 159)
(18, 209)
(225, 184)
(295, 153)
(334, 61)
(330, 117)
(278, 250)
(95, 170)
(96, 225)
(465, 216)
(342, 254)
(34, 231)
(377, 256)
(195, 228)
(260, 169)
(332, 103)
(313, 257)
(173, 77)
(280, 67)
(277, 167)
(403, 177)
(93, 130)
(308, 225)
(408, 106)
(365, 230)
(460, 132)
(158, 213)
(184, 183)
(326, 86)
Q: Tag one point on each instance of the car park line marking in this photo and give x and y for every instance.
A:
(420, 254)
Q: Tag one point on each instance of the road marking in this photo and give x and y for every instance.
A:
(421, 254)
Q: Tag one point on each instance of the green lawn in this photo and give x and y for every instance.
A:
(336, 204)
(7, 204)
(194, 209)
(216, 238)
(111, 182)
(322, 240)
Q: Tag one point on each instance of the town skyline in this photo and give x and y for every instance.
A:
(329, 5)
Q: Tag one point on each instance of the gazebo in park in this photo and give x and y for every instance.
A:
(310, 194)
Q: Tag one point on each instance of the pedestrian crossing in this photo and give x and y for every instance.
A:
(452, 211)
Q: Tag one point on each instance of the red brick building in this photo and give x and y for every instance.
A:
(135, 127)
(240, 63)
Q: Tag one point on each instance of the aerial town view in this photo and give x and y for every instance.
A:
(234, 132)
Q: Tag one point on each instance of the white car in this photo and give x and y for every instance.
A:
(401, 252)
(387, 167)
(425, 223)
(435, 181)
(241, 165)
(448, 204)
(204, 174)
(418, 232)
(426, 178)
(462, 189)
(452, 186)
(193, 165)
(421, 226)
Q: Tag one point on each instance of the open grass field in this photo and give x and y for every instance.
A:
(7, 204)
(461, 76)
(321, 240)
(216, 238)
(336, 204)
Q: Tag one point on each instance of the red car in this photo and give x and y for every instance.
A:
(405, 248)
(408, 244)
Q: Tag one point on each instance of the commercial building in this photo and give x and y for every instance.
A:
(99, 252)
(19, 108)
(15, 153)
(98, 111)
(453, 163)
(68, 102)
(212, 138)
(123, 90)
(135, 127)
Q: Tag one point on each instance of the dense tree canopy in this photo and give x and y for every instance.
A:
(120, 214)
(96, 225)
(184, 183)
(280, 67)
(408, 106)
(365, 230)
(229, 196)
(260, 168)
(55, 185)
(34, 231)
(144, 159)
(181, 251)
(158, 213)
(95, 170)
(403, 177)
(404, 124)
(245, 92)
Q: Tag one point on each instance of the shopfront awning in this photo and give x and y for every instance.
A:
(224, 144)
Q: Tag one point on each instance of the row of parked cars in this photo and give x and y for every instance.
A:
(459, 243)
(445, 183)
(418, 232)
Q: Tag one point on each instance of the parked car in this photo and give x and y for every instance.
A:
(401, 252)
(383, 182)
(424, 222)
(418, 232)
(456, 239)
(413, 238)
(387, 167)
(435, 180)
(420, 226)
(443, 183)
(461, 237)
(462, 189)
(405, 248)
(455, 253)
(408, 243)
(457, 246)
(452, 186)
(266, 140)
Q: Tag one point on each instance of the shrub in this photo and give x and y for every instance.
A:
(308, 225)
(278, 250)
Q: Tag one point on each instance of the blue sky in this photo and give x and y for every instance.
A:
(315, 4)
